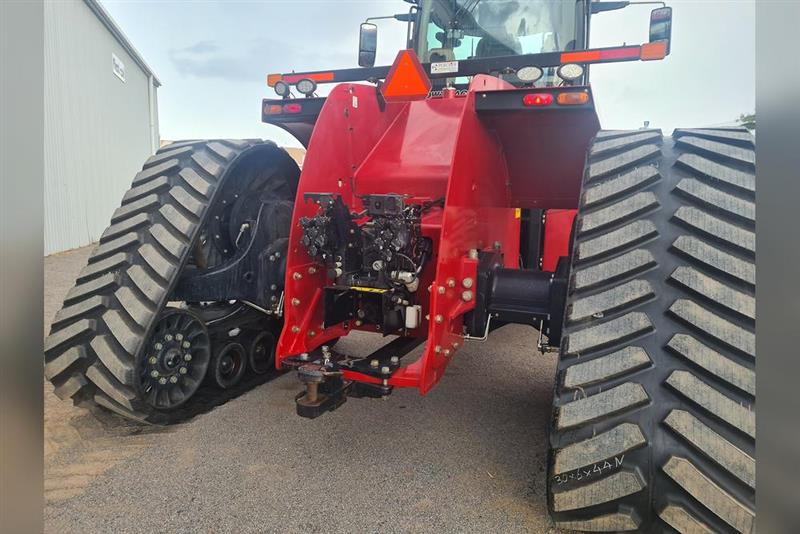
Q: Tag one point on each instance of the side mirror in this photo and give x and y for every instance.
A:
(661, 25)
(367, 44)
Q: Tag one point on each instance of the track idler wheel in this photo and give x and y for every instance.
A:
(228, 365)
(261, 353)
(176, 361)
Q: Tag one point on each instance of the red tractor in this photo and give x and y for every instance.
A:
(466, 187)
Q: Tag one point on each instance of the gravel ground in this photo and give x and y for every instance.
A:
(468, 457)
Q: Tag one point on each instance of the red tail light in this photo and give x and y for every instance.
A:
(537, 99)
(292, 108)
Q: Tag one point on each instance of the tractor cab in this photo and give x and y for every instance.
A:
(447, 31)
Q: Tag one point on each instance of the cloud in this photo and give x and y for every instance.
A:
(206, 59)
(201, 47)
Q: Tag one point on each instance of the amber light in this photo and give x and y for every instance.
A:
(656, 50)
(313, 76)
(272, 79)
(608, 54)
(537, 99)
(273, 109)
(572, 99)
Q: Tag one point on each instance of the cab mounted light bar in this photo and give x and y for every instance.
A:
(470, 67)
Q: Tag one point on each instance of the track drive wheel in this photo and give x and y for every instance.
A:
(177, 357)
(653, 424)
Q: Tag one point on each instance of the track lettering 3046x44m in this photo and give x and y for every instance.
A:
(593, 470)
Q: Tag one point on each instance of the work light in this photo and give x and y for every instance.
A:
(306, 86)
(529, 74)
(282, 88)
(570, 72)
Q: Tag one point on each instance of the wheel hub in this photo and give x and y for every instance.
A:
(179, 352)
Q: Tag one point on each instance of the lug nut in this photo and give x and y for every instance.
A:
(395, 360)
(440, 290)
(451, 282)
(158, 346)
(466, 295)
(162, 380)
(273, 287)
(439, 319)
(295, 329)
(154, 373)
(153, 360)
(295, 302)
(179, 337)
(173, 379)
(168, 337)
(297, 276)
(312, 270)
(187, 357)
(186, 344)
(385, 370)
(183, 370)
(467, 282)
(374, 363)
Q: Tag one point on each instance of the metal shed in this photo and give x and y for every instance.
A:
(101, 120)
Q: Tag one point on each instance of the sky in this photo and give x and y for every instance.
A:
(212, 59)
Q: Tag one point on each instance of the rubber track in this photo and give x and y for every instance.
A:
(95, 340)
(654, 412)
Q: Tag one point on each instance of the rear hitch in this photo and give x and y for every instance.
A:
(322, 374)
(325, 390)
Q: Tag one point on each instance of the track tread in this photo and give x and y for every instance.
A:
(710, 170)
(613, 487)
(612, 189)
(711, 257)
(600, 304)
(96, 339)
(155, 171)
(153, 187)
(104, 267)
(616, 364)
(657, 368)
(604, 404)
(622, 161)
(616, 522)
(617, 268)
(109, 248)
(705, 490)
(618, 440)
(125, 227)
(621, 211)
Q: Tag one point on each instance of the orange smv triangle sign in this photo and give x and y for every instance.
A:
(406, 79)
